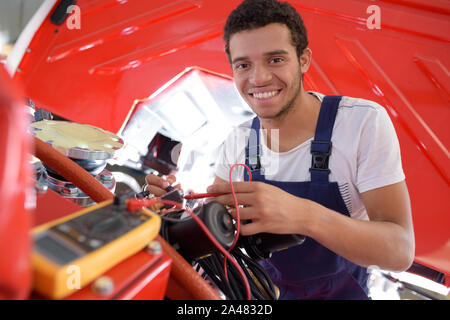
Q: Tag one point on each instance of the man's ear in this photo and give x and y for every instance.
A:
(305, 60)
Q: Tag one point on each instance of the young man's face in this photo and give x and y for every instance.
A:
(266, 69)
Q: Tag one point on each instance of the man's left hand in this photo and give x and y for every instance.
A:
(269, 208)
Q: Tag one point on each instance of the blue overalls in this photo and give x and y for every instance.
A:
(309, 270)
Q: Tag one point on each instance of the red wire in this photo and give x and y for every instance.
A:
(238, 220)
(135, 204)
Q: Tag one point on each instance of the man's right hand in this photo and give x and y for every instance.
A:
(157, 185)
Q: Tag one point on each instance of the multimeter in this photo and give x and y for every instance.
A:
(90, 242)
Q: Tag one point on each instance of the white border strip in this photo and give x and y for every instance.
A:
(21, 45)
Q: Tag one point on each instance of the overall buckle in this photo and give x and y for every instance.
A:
(320, 151)
(254, 162)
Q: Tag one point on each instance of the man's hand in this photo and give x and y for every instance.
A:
(387, 240)
(157, 185)
(271, 209)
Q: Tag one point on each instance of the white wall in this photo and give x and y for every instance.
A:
(14, 15)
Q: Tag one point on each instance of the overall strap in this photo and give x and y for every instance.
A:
(321, 145)
(253, 152)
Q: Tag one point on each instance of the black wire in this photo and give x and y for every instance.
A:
(234, 288)
(218, 282)
(259, 272)
(235, 281)
(230, 284)
(249, 278)
(256, 292)
(233, 278)
(258, 269)
(208, 264)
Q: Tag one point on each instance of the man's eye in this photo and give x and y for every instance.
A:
(241, 66)
(276, 60)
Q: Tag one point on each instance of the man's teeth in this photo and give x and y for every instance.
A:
(264, 95)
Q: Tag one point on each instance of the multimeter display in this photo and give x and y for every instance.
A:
(56, 251)
(72, 239)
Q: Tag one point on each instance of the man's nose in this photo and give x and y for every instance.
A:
(260, 75)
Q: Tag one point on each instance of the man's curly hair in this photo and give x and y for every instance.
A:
(252, 14)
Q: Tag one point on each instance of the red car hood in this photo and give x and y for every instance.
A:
(126, 50)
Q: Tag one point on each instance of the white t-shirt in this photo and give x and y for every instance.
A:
(365, 153)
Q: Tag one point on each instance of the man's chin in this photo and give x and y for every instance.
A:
(267, 115)
(274, 115)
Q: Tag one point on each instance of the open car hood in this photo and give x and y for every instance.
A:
(126, 50)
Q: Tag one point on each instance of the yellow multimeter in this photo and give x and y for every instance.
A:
(90, 242)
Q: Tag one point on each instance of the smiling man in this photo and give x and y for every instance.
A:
(338, 177)
(327, 167)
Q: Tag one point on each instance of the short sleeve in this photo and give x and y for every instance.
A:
(379, 160)
(232, 151)
(221, 163)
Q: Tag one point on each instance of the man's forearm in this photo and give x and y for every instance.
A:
(381, 243)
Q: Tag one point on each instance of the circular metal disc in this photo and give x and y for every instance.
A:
(78, 141)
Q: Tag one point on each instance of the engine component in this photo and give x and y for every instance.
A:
(172, 194)
(187, 237)
(162, 154)
(77, 141)
(88, 146)
(261, 246)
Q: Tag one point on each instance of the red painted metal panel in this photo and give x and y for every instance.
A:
(123, 51)
(51, 206)
(152, 285)
(15, 193)
(126, 50)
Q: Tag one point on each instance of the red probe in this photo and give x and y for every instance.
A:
(202, 195)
